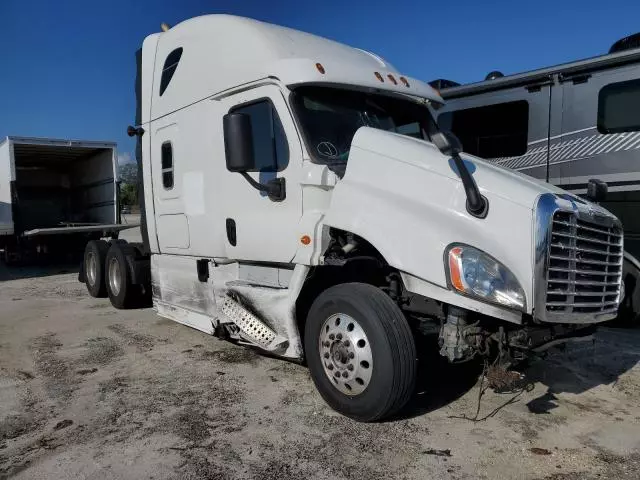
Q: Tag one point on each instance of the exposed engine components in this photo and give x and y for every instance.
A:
(458, 340)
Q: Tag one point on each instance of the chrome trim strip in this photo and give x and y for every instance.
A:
(547, 205)
(545, 208)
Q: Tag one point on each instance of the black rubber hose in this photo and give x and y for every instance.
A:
(476, 203)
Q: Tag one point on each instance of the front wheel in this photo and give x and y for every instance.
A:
(360, 351)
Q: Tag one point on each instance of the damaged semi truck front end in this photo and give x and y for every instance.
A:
(299, 198)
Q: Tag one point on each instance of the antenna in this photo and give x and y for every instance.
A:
(165, 27)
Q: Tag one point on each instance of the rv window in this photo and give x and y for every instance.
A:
(169, 68)
(167, 165)
(618, 106)
(494, 131)
(269, 140)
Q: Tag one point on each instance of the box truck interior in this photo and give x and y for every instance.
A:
(60, 186)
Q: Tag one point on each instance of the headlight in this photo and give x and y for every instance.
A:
(472, 272)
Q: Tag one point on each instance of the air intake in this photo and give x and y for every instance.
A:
(442, 83)
(493, 75)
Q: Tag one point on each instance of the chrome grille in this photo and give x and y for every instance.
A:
(584, 266)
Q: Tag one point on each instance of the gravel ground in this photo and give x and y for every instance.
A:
(87, 391)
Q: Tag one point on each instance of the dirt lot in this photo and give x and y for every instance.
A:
(87, 391)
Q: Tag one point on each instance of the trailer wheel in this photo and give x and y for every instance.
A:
(360, 351)
(95, 254)
(122, 293)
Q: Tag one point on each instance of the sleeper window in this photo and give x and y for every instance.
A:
(169, 68)
(167, 165)
(618, 107)
(493, 131)
(269, 140)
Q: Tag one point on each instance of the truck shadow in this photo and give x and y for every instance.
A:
(580, 367)
(439, 383)
(574, 368)
(51, 267)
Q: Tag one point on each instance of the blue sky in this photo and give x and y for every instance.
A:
(67, 68)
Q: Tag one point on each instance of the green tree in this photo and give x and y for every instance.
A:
(128, 194)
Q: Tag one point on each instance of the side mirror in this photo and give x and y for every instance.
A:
(447, 143)
(597, 190)
(238, 142)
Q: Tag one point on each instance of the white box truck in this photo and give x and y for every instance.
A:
(299, 198)
(55, 195)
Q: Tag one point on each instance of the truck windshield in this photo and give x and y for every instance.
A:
(330, 117)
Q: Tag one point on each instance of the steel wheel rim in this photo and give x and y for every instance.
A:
(92, 268)
(345, 353)
(114, 276)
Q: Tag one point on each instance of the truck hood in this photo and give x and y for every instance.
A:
(492, 179)
(405, 198)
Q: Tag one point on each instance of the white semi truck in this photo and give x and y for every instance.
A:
(300, 199)
(55, 195)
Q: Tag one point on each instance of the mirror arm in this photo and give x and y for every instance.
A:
(450, 145)
(477, 205)
(275, 188)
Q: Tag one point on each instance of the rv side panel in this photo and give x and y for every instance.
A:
(6, 177)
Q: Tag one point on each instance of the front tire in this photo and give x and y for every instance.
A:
(360, 351)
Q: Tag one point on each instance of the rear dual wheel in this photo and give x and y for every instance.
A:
(120, 288)
(360, 351)
(107, 272)
(95, 254)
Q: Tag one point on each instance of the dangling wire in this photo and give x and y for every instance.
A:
(481, 391)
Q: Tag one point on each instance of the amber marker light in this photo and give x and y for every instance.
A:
(455, 268)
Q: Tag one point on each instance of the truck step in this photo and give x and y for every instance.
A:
(251, 326)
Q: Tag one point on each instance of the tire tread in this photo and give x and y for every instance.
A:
(101, 248)
(400, 340)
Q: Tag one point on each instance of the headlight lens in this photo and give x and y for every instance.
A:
(473, 272)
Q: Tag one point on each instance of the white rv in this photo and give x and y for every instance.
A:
(566, 124)
(300, 199)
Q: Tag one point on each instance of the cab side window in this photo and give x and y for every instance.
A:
(270, 145)
(618, 107)
(167, 165)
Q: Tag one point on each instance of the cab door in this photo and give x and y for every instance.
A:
(257, 227)
(166, 154)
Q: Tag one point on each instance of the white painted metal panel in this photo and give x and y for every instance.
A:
(221, 52)
(266, 230)
(402, 195)
(171, 221)
(6, 218)
(173, 232)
